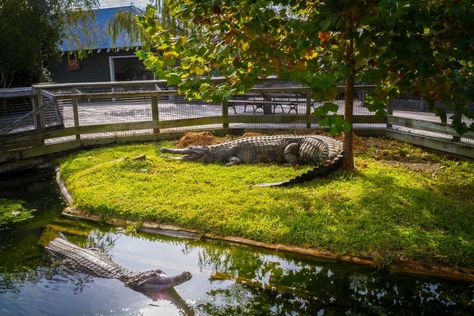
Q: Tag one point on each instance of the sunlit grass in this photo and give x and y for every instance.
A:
(401, 202)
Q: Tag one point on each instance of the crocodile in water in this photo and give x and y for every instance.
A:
(98, 263)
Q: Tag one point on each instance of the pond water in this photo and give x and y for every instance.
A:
(228, 279)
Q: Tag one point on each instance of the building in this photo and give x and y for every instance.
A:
(106, 60)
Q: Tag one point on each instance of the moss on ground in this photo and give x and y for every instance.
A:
(401, 202)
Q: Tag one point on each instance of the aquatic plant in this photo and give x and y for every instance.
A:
(12, 212)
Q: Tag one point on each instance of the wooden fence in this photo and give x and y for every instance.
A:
(91, 114)
(430, 134)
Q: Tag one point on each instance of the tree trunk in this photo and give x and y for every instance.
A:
(348, 160)
(6, 78)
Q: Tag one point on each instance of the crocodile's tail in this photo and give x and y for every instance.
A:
(318, 172)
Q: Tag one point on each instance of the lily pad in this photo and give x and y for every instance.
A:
(12, 212)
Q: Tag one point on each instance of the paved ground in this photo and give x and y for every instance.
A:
(136, 110)
(92, 113)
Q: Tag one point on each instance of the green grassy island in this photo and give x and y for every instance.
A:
(402, 202)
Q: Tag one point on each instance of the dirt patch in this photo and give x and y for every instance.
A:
(424, 167)
(252, 134)
(198, 139)
(395, 152)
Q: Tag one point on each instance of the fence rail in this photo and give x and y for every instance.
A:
(431, 135)
(69, 116)
(427, 126)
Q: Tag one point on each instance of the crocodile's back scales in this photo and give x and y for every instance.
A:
(322, 151)
(93, 261)
(313, 149)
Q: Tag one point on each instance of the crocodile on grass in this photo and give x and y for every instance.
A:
(322, 151)
(98, 263)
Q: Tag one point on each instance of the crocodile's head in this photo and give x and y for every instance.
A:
(193, 153)
(154, 280)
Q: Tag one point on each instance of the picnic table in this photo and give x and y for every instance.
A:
(267, 103)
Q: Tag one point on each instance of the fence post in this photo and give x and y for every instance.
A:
(75, 113)
(155, 114)
(362, 97)
(308, 109)
(389, 112)
(33, 107)
(39, 119)
(225, 115)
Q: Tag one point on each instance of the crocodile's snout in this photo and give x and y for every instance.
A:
(187, 275)
(190, 153)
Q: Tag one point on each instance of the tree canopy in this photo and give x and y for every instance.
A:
(425, 47)
(30, 31)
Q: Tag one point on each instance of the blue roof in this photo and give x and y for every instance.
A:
(91, 32)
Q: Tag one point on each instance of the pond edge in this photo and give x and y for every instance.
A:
(406, 266)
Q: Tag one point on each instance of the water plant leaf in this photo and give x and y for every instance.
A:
(12, 212)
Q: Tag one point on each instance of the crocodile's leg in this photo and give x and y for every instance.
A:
(233, 158)
(291, 153)
(233, 161)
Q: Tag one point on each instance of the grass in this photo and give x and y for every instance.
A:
(401, 201)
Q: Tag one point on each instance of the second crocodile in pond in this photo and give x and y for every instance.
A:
(98, 263)
(324, 152)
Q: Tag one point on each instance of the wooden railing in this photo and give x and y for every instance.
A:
(70, 99)
(223, 118)
(26, 148)
(431, 134)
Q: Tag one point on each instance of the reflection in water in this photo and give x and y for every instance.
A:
(105, 242)
(227, 279)
(77, 282)
(172, 296)
(281, 285)
(253, 281)
(101, 240)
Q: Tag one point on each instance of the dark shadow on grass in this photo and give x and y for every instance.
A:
(386, 221)
(427, 222)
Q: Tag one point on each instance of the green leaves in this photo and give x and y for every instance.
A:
(324, 109)
(400, 46)
(172, 79)
(336, 124)
(428, 52)
(329, 118)
(378, 104)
